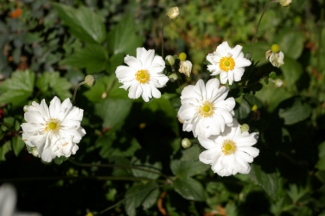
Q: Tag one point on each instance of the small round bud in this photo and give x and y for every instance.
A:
(104, 95)
(275, 48)
(182, 56)
(173, 13)
(278, 82)
(186, 143)
(90, 80)
(285, 2)
(170, 60)
(254, 107)
(244, 128)
(173, 77)
(25, 108)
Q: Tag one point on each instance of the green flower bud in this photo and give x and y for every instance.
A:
(170, 60)
(90, 80)
(186, 143)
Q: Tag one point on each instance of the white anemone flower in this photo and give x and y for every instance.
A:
(228, 62)
(8, 199)
(230, 152)
(205, 109)
(143, 75)
(54, 130)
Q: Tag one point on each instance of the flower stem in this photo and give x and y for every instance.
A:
(76, 89)
(258, 24)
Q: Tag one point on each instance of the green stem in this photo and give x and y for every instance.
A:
(75, 90)
(258, 24)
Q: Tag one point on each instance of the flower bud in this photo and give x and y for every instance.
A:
(90, 80)
(285, 2)
(278, 82)
(185, 67)
(173, 77)
(186, 143)
(173, 13)
(244, 128)
(170, 60)
(182, 56)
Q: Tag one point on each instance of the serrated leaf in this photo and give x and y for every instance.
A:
(92, 57)
(17, 144)
(291, 43)
(190, 189)
(123, 37)
(292, 70)
(269, 182)
(83, 23)
(18, 88)
(113, 111)
(187, 168)
(294, 110)
(140, 193)
(106, 86)
(4, 149)
(148, 170)
(51, 82)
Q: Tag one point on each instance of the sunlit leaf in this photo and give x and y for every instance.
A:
(188, 168)
(294, 110)
(51, 83)
(190, 189)
(291, 43)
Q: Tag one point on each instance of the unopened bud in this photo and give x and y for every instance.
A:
(186, 143)
(90, 80)
(254, 107)
(244, 128)
(173, 13)
(285, 2)
(170, 60)
(278, 82)
(25, 108)
(173, 77)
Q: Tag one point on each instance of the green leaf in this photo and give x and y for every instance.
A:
(17, 144)
(106, 86)
(140, 193)
(92, 57)
(113, 111)
(123, 37)
(51, 81)
(292, 70)
(321, 154)
(269, 182)
(18, 88)
(187, 168)
(148, 170)
(190, 189)
(83, 23)
(4, 149)
(291, 43)
(294, 110)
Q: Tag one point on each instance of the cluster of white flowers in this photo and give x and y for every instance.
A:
(52, 131)
(208, 113)
(205, 109)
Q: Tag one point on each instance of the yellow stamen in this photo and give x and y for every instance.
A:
(227, 63)
(206, 109)
(142, 76)
(228, 147)
(52, 125)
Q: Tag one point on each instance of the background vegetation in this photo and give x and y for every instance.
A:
(131, 161)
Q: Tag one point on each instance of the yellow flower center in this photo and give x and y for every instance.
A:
(52, 125)
(206, 109)
(227, 63)
(228, 147)
(142, 76)
(275, 48)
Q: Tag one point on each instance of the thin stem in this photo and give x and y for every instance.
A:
(76, 89)
(258, 24)
(119, 166)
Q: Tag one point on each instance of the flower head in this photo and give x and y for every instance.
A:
(143, 75)
(228, 62)
(185, 67)
(54, 130)
(205, 109)
(230, 152)
(275, 56)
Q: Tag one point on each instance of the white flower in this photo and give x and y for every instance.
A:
(54, 130)
(8, 199)
(230, 152)
(185, 67)
(143, 75)
(204, 109)
(228, 62)
(276, 58)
